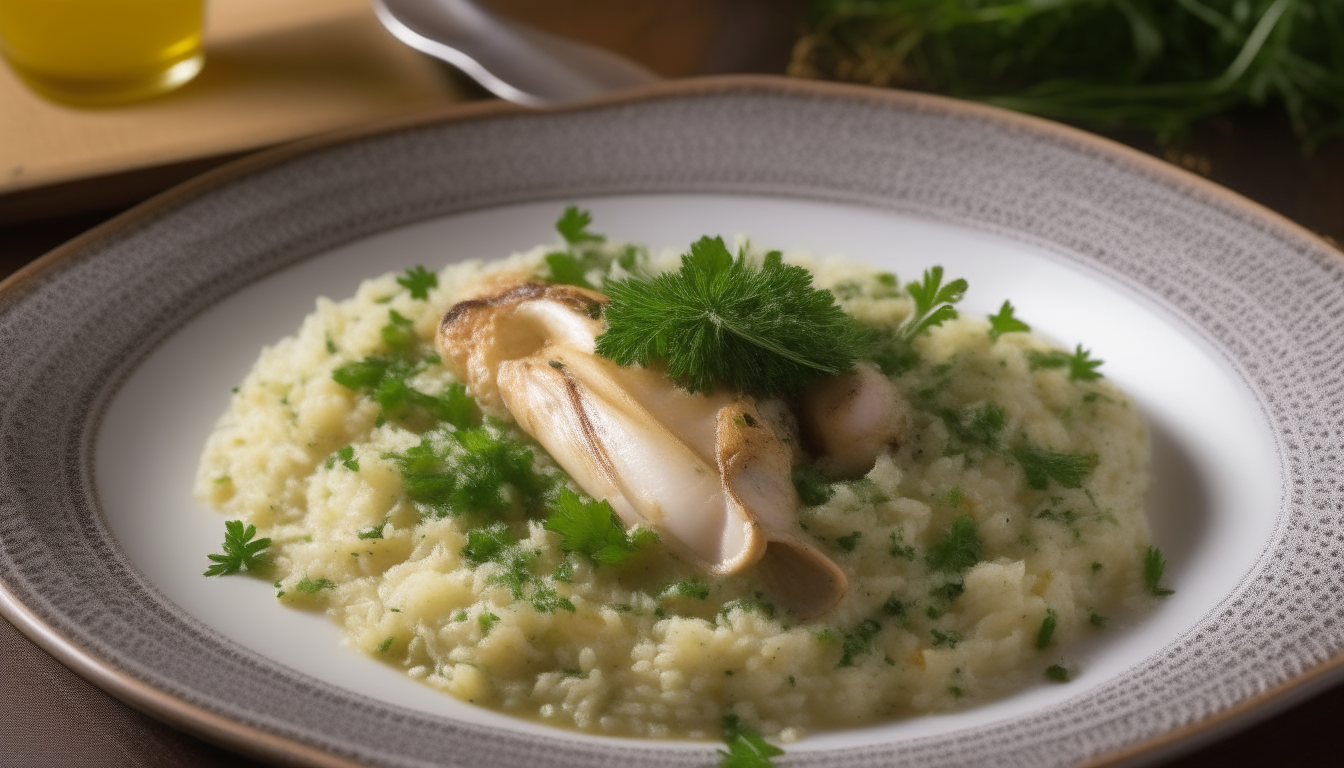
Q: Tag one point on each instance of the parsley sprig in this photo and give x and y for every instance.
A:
(763, 329)
(933, 302)
(1005, 322)
(241, 552)
(419, 281)
(893, 349)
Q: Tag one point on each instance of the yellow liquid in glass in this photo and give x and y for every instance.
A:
(96, 52)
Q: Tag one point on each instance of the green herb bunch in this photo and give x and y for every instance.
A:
(762, 329)
(1155, 65)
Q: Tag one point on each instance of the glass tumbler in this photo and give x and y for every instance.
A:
(102, 52)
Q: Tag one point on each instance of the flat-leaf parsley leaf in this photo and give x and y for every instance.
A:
(573, 226)
(419, 281)
(760, 329)
(592, 529)
(746, 748)
(933, 302)
(241, 553)
(1005, 322)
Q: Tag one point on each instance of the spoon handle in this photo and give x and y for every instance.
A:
(523, 65)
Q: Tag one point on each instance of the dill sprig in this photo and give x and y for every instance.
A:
(1154, 65)
(763, 330)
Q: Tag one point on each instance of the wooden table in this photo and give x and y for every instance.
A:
(280, 70)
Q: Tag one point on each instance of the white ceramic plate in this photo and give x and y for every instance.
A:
(1187, 296)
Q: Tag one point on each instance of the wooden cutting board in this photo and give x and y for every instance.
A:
(275, 70)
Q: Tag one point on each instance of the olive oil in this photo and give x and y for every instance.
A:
(99, 52)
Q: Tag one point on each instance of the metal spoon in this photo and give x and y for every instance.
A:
(517, 63)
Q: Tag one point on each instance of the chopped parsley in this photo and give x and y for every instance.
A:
(241, 552)
(691, 588)
(1046, 634)
(1057, 673)
(376, 532)
(593, 530)
(746, 748)
(1154, 566)
(419, 281)
(545, 600)
(399, 334)
(762, 330)
(1005, 322)
(346, 457)
(945, 639)
(487, 620)
(307, 586)
(386, 380)
(893, 607)
(1097, 620)
(813, 490)
(495, 544)
(1041, 466)
(858, 641)
(978, 427)
(480, 471)
(848, 543)
(948, 590)
(1080, 364)
(486, 544)
(386, 645)
(899, 549)
(959, 548)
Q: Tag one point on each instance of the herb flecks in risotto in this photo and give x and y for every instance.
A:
(964, 498)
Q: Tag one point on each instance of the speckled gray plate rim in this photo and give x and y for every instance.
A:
(1264, 292)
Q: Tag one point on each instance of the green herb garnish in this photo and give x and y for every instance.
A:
(1154, 566)
(958, 550)
(1080, 364)
(1057, 673)
(933, 302)
(858, 641)
(746, 748)
(592, 529)
(1046, 633)
(762, 330)
(487, 620)
(756, 602)
(376, 532)
(1041, 466)
(848, 543)
(346, 457)
(307, 586)
(945, 639)
(690, 588)
(1005, 322)
(419, 281)
(241, 553)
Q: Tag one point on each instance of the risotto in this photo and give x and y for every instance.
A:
(1005, 525)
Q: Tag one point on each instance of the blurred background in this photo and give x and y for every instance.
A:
(1248, 93)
